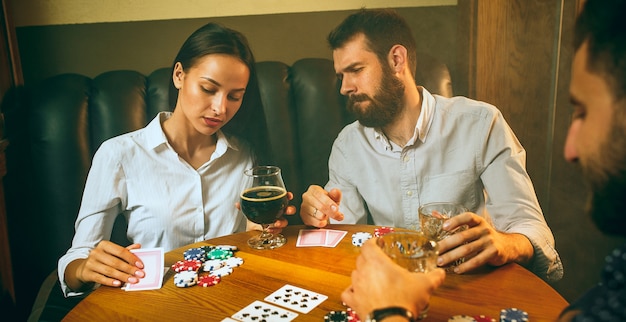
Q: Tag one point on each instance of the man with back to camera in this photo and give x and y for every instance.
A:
(596, 141)
(410, 148)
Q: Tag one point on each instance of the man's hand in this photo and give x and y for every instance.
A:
(319, 205)
(481, 244)
(378, 282)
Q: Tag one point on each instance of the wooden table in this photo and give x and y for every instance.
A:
(320, 269)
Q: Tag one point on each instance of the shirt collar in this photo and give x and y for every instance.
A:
(421, 127)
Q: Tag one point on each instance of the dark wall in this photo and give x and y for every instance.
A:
(91, 49)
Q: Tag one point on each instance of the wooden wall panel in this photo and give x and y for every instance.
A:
(514, 57)
(523, 54)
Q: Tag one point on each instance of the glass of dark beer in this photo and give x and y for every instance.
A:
(264, 201)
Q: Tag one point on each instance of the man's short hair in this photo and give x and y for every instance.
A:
(383, 29)
(602, 24)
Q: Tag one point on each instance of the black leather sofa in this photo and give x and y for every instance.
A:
(54, 128)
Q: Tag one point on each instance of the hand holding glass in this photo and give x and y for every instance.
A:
(433, 215)
(263, 202)
(411, 250)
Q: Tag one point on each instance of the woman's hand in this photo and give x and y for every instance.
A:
(107, 264)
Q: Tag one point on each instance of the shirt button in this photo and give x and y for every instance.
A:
(409, 193)
(406, 159)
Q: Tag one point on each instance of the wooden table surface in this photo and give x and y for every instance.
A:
(321, 269)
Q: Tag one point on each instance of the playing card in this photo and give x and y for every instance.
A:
(333, 237)
(296, 298)
(259, 311)
(311, 237)
(152, 259)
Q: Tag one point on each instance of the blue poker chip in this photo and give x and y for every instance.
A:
(513, 315)
(195, 253)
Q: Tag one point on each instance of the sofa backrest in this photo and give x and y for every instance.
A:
(55, 127)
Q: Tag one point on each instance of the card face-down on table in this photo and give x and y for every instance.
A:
(319, 237)
(152, 259)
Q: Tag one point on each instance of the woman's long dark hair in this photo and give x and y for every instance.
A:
(249, 122)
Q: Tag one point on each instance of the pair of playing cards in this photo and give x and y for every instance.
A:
(289, 297)
(319, 237)
(152, 259)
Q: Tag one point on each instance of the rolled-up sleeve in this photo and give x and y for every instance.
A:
(512, 201)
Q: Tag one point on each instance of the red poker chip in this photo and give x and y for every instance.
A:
(484, 318)
(187, 265)
(208, 280)
(381, 231)
(352, 316)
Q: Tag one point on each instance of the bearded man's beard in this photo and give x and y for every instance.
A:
(606, 177)
(384, 107)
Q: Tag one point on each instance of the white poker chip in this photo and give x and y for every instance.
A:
(221, 272)
(233, 262)
(186, 279)
(359, 238)
(213, 264)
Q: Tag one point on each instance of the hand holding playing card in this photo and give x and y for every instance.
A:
(152, 259)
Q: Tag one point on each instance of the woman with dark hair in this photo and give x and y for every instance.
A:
(176, 181)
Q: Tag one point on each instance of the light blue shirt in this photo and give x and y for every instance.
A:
(167, 203)
(462, 150)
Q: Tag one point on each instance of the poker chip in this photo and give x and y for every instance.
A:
(383, 231)
(187, 265)
(336, 316)
(233, 262)
(232, 248)
(484, 318)
(195, 253)
(221, 272)
(207, 248)
(352, 316)
(461, 318)
(219, 254)
(359, 238)
(513, 315)
(208, 280)
(218, 260)
(186, 279)
(213, 264)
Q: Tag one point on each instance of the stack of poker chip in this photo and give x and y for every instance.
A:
(359, 238)
(513, 315)
(336, 316)
(506, 315)
(347, 315)
(216, 261)
(186, 279)
(381, 231)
